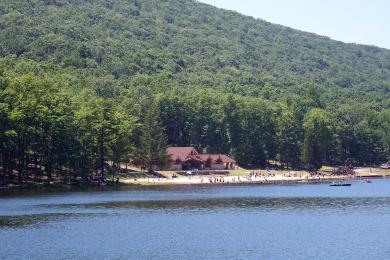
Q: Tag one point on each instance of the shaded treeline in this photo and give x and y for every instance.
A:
(52, 122)
(73, 123)
(299, 132)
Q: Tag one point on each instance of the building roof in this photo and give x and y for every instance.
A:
(189, 153)
(215, 157)
(182, 153)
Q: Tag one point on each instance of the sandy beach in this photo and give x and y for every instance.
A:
(260, 179)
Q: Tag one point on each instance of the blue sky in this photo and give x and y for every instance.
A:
(357, 21)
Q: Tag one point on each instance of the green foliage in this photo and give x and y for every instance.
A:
(188, 44)
(74, 76)
(151, 151)
(318, 126)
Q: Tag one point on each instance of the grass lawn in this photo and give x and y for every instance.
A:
(169, 174)
(377, 171)
(326, 168)
(151, 184)
(243, 172)
(239, 172)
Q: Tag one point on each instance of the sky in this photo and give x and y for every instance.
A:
(352, 21)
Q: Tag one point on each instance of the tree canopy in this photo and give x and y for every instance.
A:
(74, 76)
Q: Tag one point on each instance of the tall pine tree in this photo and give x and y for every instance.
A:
(152, 146)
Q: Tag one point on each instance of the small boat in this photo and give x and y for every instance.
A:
(367, 181)
(340, 184)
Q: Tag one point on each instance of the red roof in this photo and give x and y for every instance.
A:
(182, 153)
(189, 153)
(215, 157)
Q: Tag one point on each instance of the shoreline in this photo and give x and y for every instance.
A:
(232, 180)
(32, 190)
(273, 178)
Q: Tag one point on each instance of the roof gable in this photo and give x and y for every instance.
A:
(182, 153)
(187, 153)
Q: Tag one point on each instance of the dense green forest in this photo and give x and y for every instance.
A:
(84, 82)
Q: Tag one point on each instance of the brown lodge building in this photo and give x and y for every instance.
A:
(187, 158)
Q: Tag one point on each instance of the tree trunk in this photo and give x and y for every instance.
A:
(20, 162)
(49, 169)
(102, 152)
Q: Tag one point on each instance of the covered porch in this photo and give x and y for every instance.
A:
(193, 163)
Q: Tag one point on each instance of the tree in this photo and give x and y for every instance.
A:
(312, 154)
(106, 91)
(287, 137)
(318, 127)
(152, 145)
(4, 136)
(384, 119)
(119, 142)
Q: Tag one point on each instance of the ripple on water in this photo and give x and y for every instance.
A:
(240, 222)
(38, 220)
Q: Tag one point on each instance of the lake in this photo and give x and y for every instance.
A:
(200, 222)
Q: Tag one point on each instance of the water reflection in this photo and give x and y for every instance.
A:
(247, 203)
(286, 206)
(240, 222)
(36, 220)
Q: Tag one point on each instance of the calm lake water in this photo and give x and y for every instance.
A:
(211, 222)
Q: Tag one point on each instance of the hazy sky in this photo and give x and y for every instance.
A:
(358, 21)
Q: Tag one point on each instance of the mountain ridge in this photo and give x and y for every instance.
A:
(296, 29)
(187, 38)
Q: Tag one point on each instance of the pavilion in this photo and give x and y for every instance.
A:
(187, 158)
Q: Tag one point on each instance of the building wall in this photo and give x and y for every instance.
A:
(175, 167)
(216, 166)
(222, 166)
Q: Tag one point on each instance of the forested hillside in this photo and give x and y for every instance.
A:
(187, 44)
(76, 78)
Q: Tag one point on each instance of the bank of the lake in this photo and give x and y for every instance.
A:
(233, 178)
(256, 177)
